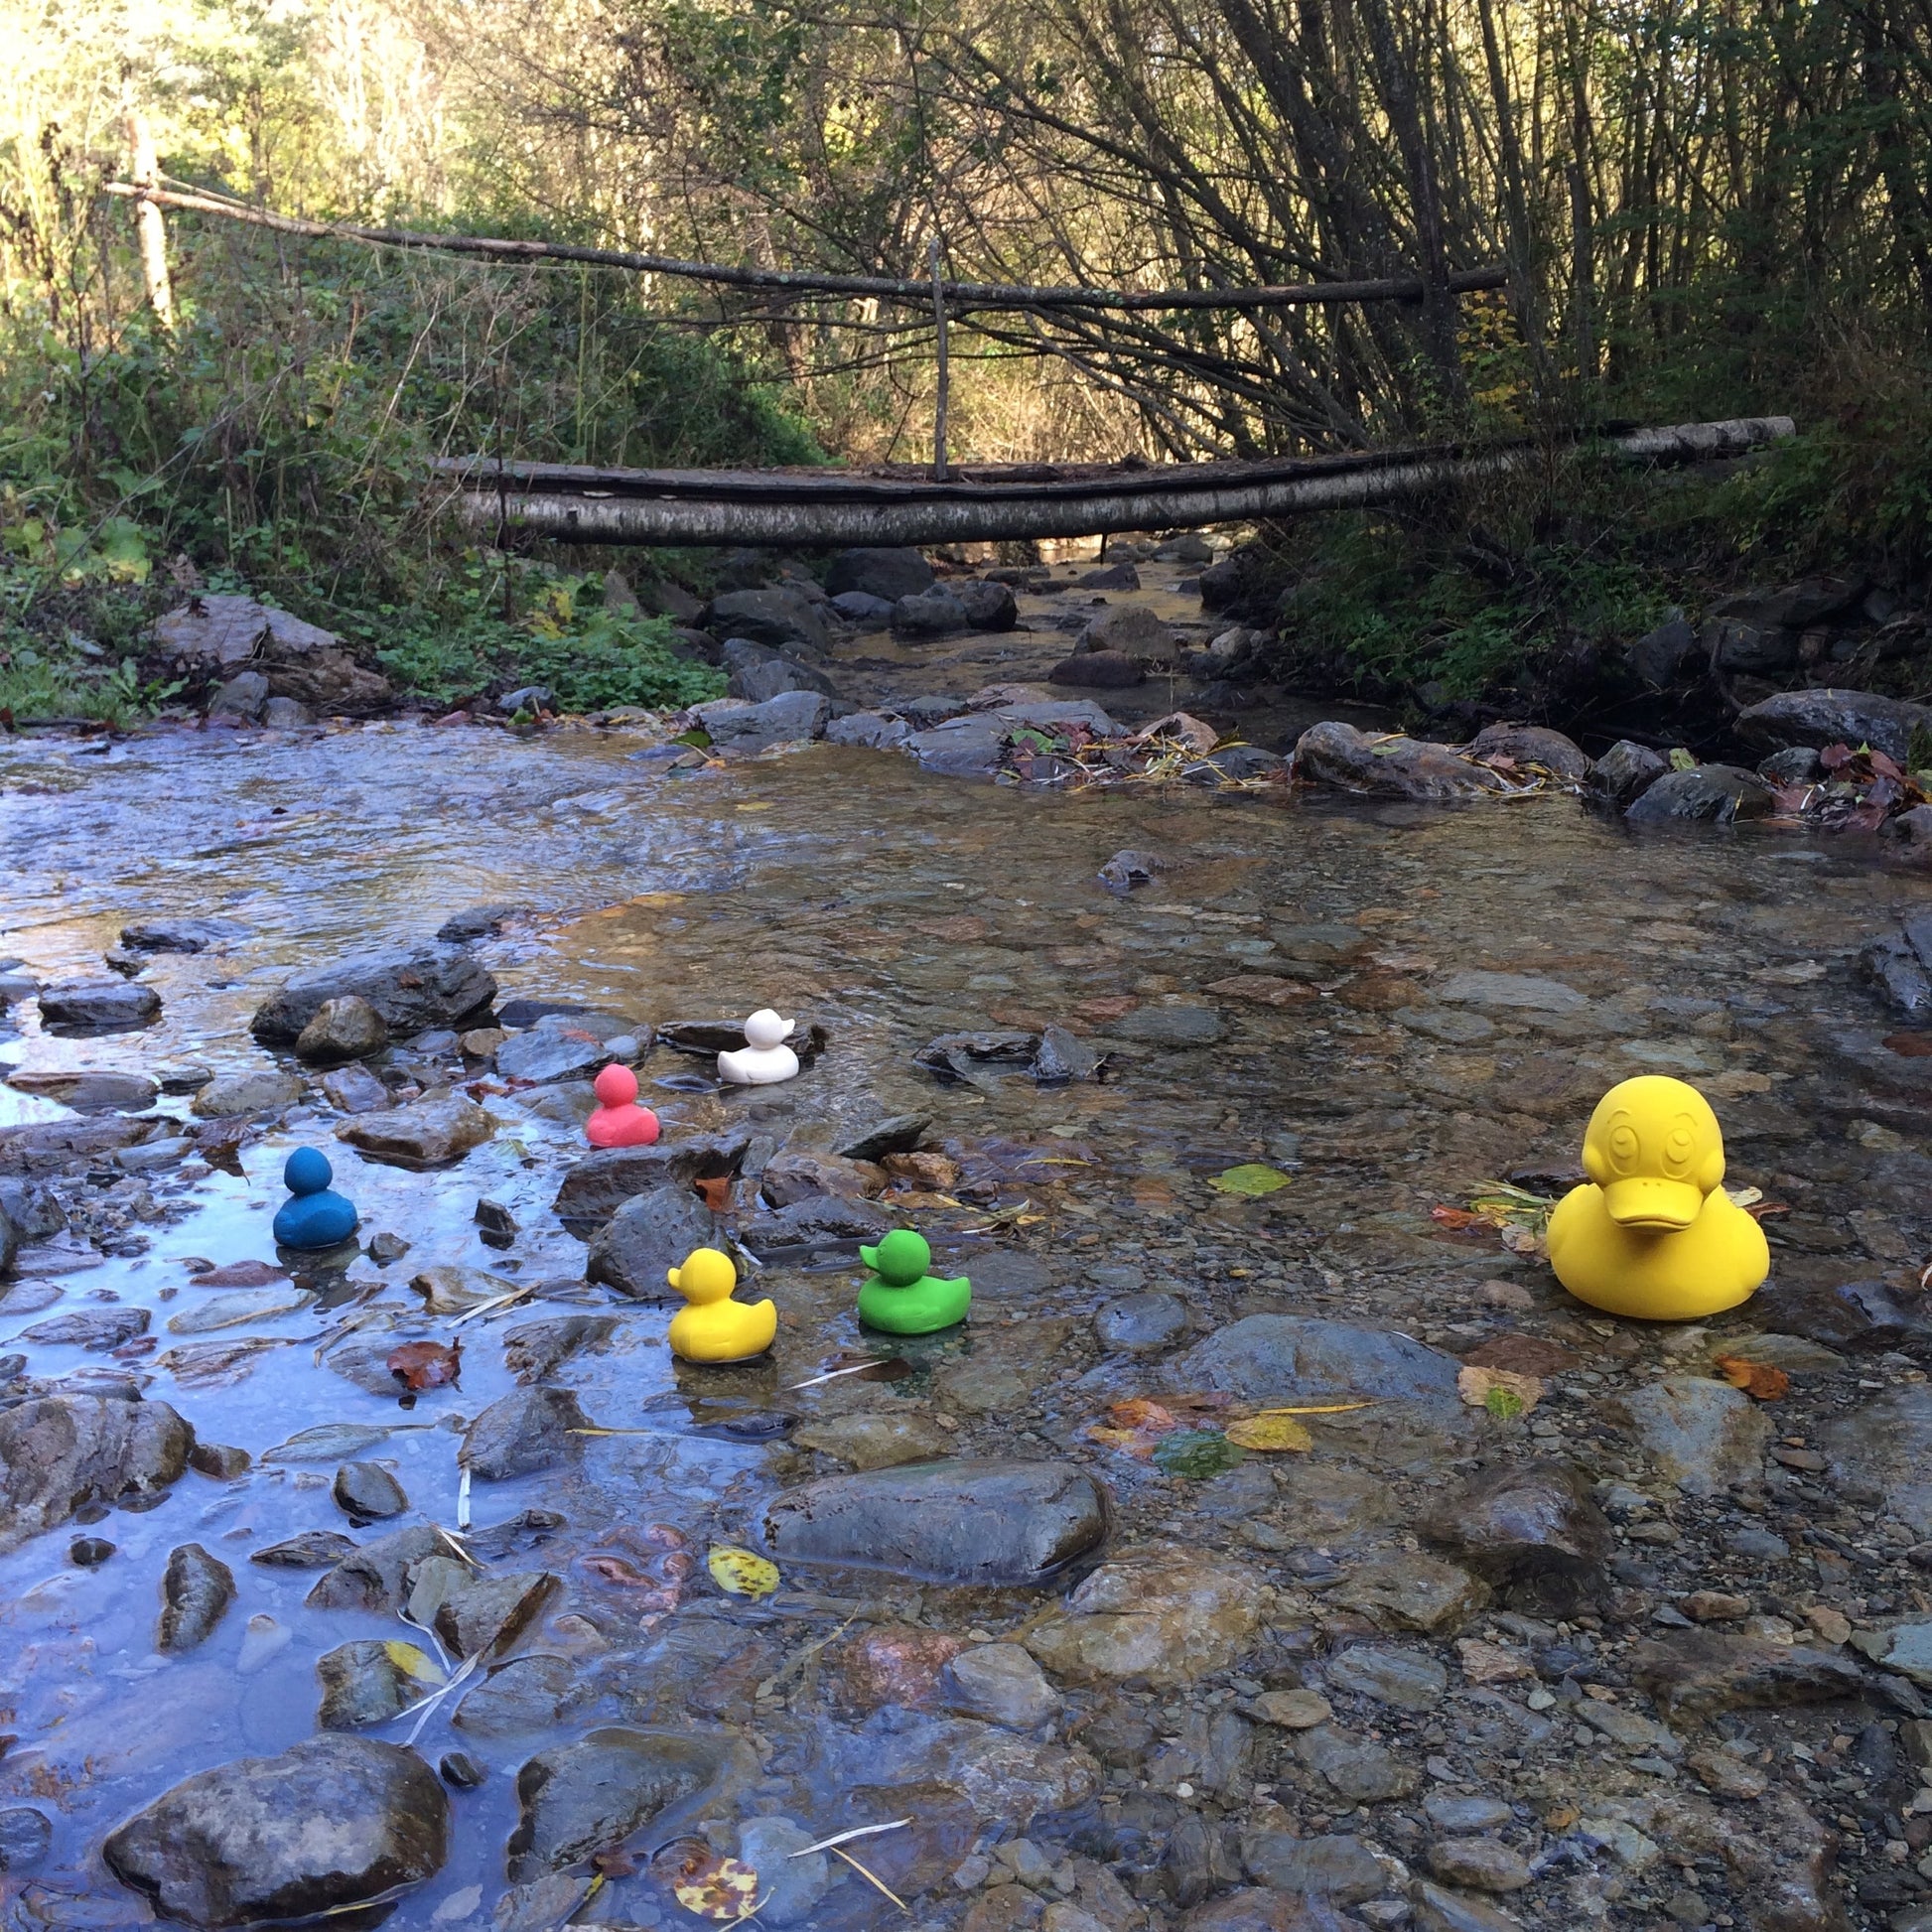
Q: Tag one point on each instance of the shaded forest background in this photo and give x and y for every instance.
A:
(1708, 208)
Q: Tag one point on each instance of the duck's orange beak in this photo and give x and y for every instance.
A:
(1649, 1202)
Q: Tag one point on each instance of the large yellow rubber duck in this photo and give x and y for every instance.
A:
(1653, 1234)
(714, 1328)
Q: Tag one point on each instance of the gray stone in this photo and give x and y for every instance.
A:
(370, 1682)
(329, 1822)
(1714, 793)
(649, 1235)
(988, 607)
(1798, 765)
(537, 1350)
(286, 713)
(791, 717)
(306, 1550)
(1533, 1524)
(59, 1453)
(790, 1886)
(89, 1091)
(1001, 1683)
(490, 1613)
(1449, 1811)
(1295, 1358)
(376, 1576)
(477, 922)
(1883, 1448)
(1659, 654)
(896, 1134)
(347, 1028)
(1510, 992)
(972, 745)
(98, 1007)
(1411, 1680)
(430, 1134)
(527, 1694)
(1099, 670)
(931, 612)
(553, 1049)
(366, 1491)
(1340, 1868)
(24, 1836)
(864, 612)
(601, 1182)
(521, 1433)
(196, 1593)
(1485, 1864)
(1532, 744)
(1862, 1318)
(777, 616)
(1138, 1322)
(250, 1094)
(1364, 1773)
(1702, 1435)
(94, 1329)
(870, 729)
(1133, 630)
(1694, 1673)
(878, 572)
(596, 1792)
(1439, 1909)
(958, 1522)
(244, 696)
(770, 673)
(1171, 1025)
(1342, 759)
(1446, 1024)
(1623, 774)
(1407, 1590)
(180, 935)
(411, 988)
(354, 1090)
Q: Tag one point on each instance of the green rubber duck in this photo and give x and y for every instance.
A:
(900, 1297)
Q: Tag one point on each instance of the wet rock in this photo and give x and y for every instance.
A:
(897, 1134)
(796, 1177)
(1483, 1863)
(1132, 630)
(371, 1682)
(180, 935)
(1294, 1358)
(245, 695)
(250, 1094)
(960, 1522)
(94, 1329)
(1099, 670)
(98, 1007)
(892, 1665)
(778, 617)
(1797, 766)
(1623, 774)
(600, 1183)
(973, 745)
(959, 1054)
(375, 1576)
(794, 1885)
(1901, 965)
(820, 1222)
(988, 607)
(1534, 1525)
(1004, 1775)
(431, 1133)
(24, 1836)
(411, 990)
(1407, 1590)
(553, 1049)
(1255, 1908)
(758, 673)
(537, 1350)
(1659, 654)
(871, 1440)
(1884, 1448)
(62, 1453)
(880, 572)
(1532, 744)
(1143, 1322)
(1342, 759)
(1819, 717)
(1712, 793)
(584, 1796)
(327, 1824)
(490, 1613)
(1864, 1318)
(1702, 1435)
(1160, 1614)
(1062, 1059)
(196, 1593)
(1694, 1673)
(534, 1693)
(522, 1431)
(344, 1029)
(1340, 1868)
(1001, 1683)
(1363, 1772)
(219, 1461)
(366, 1491)
(1410, 1680)
(89, 1091)
(646, 1236)
(931, 612)
(89, 1551)
(791, 717)
(307, 1549)
(1172, 1025)
(871, 729)
(477, 922)
(354, 1090)
(1438, 1909)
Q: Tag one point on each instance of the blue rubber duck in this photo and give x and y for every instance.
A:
(312, 1216)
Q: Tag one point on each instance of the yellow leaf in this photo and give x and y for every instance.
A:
(724, 1888)
(1269, 1432)
(742, 1572)
(1317, 1408)
(419, 1664)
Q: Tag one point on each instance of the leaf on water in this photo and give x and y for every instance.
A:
(701, 1881)
(1269, 1433)
(1758, 1380)
(1140, 1412)
(742, 1572)
(1505, 1392)
(1196, 1453)
(329, 1442)
(1252, 1179)
(423, 1365)
(415, 1663)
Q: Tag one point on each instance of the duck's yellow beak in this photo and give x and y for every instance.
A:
(1650, 1201)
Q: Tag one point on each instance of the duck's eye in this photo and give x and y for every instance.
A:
(1679, 1144)
(1624, 1145)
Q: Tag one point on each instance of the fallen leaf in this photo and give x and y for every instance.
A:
(1269, 1433)
(713, 1888)
(1251, 1180)
(1502, 1391)
(240, 1274)
(1758, 1380)
(1195, 1453)
(415, 1663)
(423, 1365)
(714, 1192)
(1140, 1412)
(615, 1863)
(329, 1442)
(742, 1572)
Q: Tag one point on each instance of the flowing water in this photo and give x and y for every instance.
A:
(1292, 989)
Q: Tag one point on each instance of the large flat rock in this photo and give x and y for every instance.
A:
(63, 1452)
(412, 988)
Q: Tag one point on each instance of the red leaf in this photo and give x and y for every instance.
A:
(423, 1365)
(1834, 757)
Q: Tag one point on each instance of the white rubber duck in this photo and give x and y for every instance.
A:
(766, 1058)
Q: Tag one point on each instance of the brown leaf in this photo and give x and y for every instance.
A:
(1909, 1046)
(615, 1863)
(423, 1365)
(240, 1274)
(1758, 1380)
(714, 1192)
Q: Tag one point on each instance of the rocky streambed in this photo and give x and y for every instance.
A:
(1226, 1104)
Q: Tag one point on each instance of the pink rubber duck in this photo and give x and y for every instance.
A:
(618, 1120)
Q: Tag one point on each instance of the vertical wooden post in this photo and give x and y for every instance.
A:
(151, 228)
(946, 377)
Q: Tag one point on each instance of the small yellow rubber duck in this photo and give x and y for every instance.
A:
(714, 1328)
(1652, 1233)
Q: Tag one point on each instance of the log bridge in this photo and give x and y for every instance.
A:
(834, 507)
